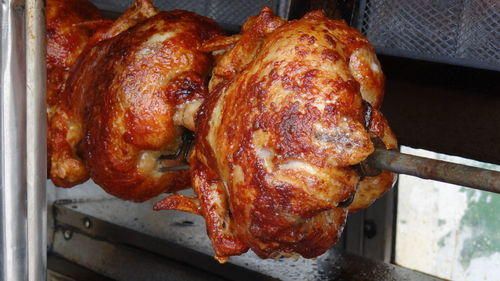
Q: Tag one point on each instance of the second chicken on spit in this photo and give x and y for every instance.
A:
(126, 100)
(293, 107)
(70, 24)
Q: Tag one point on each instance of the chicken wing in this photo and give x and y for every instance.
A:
(126, 99)
(293, 106)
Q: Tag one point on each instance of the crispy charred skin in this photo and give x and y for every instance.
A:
(121, 104)
(279, 133)
(70, 24)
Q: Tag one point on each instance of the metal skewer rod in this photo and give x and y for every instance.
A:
(438, 170)
(174, 168)
(426, 168)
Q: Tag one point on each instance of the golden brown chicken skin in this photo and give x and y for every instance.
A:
(126, 100)
(70, 24)
(279, 134)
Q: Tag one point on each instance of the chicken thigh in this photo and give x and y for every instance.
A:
(126, 100)
(293, 107)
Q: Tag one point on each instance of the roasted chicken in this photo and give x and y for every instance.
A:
(127, 100)
(293, 108)
(70, 24)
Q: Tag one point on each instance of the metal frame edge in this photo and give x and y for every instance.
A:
(13, 143)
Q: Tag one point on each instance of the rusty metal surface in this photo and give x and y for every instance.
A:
(427, 168)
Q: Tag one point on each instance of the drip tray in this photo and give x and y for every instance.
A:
(129, 241)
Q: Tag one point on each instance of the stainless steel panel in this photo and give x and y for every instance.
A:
(23, 157)
(182, 237)
(13, 143)
(123, 263)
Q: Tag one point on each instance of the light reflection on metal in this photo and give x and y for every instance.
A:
(36, 163)
(14, 255)
(23, 157)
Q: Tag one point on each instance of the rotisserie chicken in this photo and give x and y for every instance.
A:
(126, 99)
(70, 24)
(293, 107)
